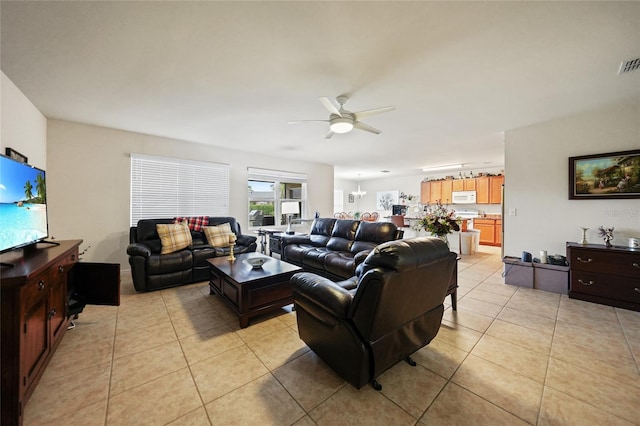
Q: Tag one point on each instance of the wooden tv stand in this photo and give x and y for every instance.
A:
(34, 312)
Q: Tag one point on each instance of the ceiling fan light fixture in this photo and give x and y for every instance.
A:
(341, 125)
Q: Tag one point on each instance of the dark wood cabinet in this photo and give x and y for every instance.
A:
(34, 317)
(606, 275)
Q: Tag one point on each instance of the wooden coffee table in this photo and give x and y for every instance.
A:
(251, 292)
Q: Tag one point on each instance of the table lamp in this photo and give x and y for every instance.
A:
(289, 208)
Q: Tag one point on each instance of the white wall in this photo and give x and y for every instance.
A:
(22, 126)
(89, 179)
(537, 180)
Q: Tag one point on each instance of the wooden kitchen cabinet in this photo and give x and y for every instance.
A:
(436, 190)
(498, 233)
(490, 231)
(457, 184)
(495, 189)
(469, 184)
(482, 190)
(447, 189)
(425, 192)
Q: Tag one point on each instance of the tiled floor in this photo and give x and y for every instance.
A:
(509, 356)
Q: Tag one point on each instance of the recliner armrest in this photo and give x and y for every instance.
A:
(361, 256)
(138, 249)
(320, 296)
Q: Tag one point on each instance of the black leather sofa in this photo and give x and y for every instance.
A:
(151, 270)
(394, 305)
(334, 247)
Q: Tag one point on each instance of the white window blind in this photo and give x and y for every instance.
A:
(276, 175)
(167, 187)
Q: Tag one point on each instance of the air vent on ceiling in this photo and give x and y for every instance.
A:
(629, 65)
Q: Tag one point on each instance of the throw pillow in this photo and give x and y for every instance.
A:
(196, 223)
(219, 236)
(174, 237)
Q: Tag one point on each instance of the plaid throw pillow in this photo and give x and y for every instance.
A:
(173, 237)
(195, 223)
(219, 236)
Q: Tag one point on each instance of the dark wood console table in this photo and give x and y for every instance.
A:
(34, 316)
(606, 275)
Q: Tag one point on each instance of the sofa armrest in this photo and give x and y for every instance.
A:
(321, 297)
(295, 239)
(138, 249)
(361, 256)
(246, 240)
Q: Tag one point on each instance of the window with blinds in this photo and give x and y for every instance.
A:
(168, 187)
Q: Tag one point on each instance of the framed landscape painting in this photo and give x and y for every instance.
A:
(610, 175)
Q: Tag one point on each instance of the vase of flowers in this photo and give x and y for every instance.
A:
(439, 221)
(606, 234)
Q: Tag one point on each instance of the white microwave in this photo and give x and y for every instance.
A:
(463, 197)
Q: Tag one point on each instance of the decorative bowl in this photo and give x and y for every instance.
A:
(256, 262)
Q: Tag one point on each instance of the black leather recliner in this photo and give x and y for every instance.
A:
(151, 270)
(393, 306)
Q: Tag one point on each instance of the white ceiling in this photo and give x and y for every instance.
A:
(234, 73)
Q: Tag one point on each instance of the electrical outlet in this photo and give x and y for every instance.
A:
(513, 212)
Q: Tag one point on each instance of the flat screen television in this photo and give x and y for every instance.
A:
(23, 204)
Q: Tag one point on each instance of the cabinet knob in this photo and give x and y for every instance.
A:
(61, 268)
(41, 285)
(584, 261)
(73, 257)
(586, 283)
(52, 313)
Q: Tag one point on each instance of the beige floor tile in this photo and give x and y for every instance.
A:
(412, 388)
(305, 421)
(190, 307)
(181, 295)
(133, 370)
(226, 372)
(197, 322)
(513, 357)
(278, 348)
(602, 345)
(134, 320)
(261, 402)
(208, 343)
(533, 306)
(523, 336)
(457, 406)
(439, 357)
(309, 380)
(350, 406)
(55, 397)
(479, 293)
(197, 417)
(92, 414)
(498, 288)
(70, 358)
(261, 327)
(562, 410)
(461, 337)
(156, 402)
(146, 338)
(478, 306)
(589, 315)
(527, 319)
(510, 391)
(603, 392)
(468, 319)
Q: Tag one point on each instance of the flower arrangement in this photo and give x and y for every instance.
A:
(439, 220)
(606, 234)
(406, 197)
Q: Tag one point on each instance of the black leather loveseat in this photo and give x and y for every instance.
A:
(334, 247)
(152, 270)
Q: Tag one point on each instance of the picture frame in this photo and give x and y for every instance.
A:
(12, 153)
(386, 199)
(612, 175)
(352, 198)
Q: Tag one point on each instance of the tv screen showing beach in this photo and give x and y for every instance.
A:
(23, 204)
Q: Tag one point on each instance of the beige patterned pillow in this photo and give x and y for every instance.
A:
(219, 236)
(174, 237)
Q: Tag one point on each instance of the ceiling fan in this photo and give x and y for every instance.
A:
(343, 121)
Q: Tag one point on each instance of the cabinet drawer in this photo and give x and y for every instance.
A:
(64, 264)
(37, 287)
(613, 287)
(624, 264)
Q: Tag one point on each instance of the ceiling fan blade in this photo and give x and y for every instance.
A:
(329, 106)
(308, 121)
(366, 127)
(329, 135)
(370, 112)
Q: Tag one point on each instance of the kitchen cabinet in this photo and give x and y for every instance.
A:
(447, 189)
(436, 190)
(469, 184)
(490, 231)
(482, 190)
(458, 184)
(425, 192)
(495, 189)
(607, 275)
